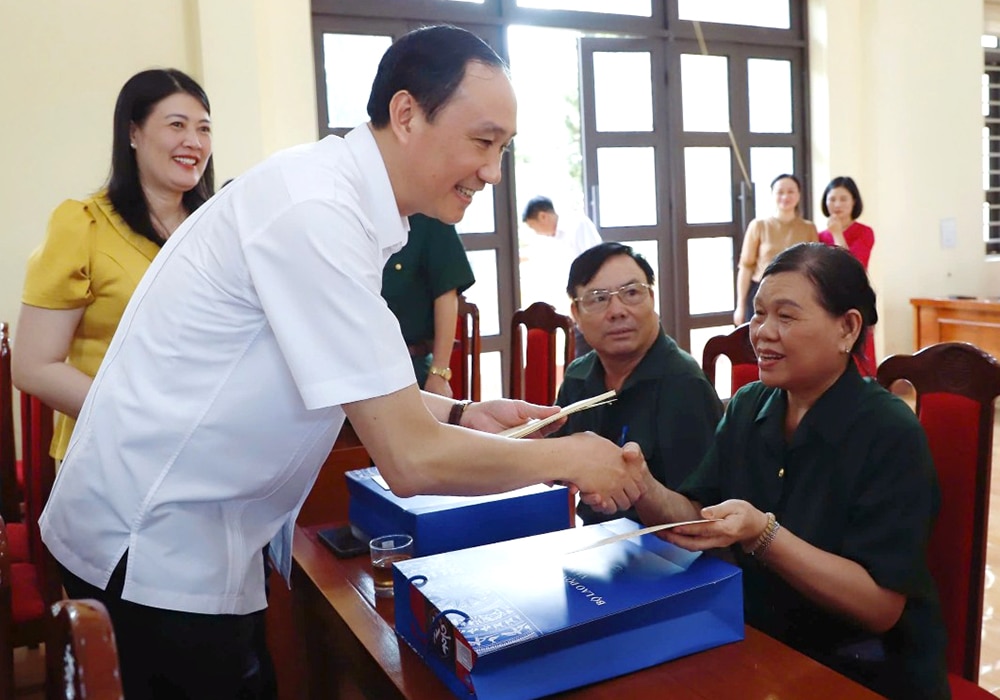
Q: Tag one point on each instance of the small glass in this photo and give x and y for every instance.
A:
(385, 550)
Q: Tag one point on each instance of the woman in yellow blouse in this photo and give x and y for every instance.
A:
(765, 238)
(96, 250)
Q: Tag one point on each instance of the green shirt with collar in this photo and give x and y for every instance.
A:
(666, 405)
(432, 262)
(856, 479)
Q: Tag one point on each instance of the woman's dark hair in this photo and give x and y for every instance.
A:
(848, 184)
(137, 99)
(787, 176)
(589, 263)
(839, 278)
(429, 63)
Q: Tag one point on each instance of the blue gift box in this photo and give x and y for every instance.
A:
(535, 616)
(446, 523)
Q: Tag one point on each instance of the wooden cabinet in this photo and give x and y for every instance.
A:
(975, 321)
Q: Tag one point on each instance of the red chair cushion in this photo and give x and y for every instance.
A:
(962, 689)
(536, 367)
(19, 470)
(17, 542)
(743, 374)
(951, 423)
(26, 594)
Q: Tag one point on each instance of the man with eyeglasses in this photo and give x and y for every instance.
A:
(664, 402)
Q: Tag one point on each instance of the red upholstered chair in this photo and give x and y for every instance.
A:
(956, 385)
(465, 379)
(82, 659)
(533, 360)
(736, 346)
(11, 469)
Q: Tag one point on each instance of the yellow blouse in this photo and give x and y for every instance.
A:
(765, 238)
(92, 258)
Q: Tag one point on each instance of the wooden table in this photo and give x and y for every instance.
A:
(975, 321)
(352, 650)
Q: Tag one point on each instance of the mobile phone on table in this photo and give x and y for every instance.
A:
(343, 542)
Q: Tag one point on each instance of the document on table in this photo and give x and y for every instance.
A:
(537, 424)
(644, 531)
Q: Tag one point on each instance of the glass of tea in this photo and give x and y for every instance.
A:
(385, 550)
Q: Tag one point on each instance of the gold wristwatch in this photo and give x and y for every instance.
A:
(443, 372)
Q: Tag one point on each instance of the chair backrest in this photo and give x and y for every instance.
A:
(533, 360)
(81, 656)
(10, 495)
(37, 427)
(956, 385)
(6, 619)
(465, 379)
(736, 346)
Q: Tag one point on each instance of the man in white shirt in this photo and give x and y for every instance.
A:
(570, 235)
(255, 331)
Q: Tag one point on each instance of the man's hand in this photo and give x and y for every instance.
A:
(613, 477)
(436, 384)
(500, 414)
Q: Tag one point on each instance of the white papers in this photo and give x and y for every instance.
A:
(637, 533)
(537, 424)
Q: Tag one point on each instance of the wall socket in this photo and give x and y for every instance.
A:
(949, 232)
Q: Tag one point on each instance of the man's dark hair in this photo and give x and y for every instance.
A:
(429, 63)
(590, 261)
(848, 184)
(839, 278)
(536, 205)
(136, 101)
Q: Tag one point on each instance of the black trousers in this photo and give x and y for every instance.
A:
(166, 654)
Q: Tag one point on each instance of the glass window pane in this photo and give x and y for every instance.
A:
(769, 83)
(752, 13)
(479, 215)
(708, 185)
(349, 63)
(723, 367)
(651, 251)
(634, 8)
(766, 163)
(484, 292)
(705, 92)
(623, 95)
(627, 192)
(710, 275)
(490, 376)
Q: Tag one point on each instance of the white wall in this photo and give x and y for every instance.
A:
(896, 104)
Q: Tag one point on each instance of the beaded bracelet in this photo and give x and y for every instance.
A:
(765, 538)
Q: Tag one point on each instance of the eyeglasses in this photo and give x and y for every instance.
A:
(597, 300)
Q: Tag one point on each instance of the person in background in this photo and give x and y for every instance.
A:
(823, 486)
(246, 345)
(842, 205)
(421, 284)
(664, 403)
(96, 250)
(567, 237)
(767, 237)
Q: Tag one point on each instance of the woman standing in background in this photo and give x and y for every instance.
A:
(765, 238)
(96, 250)
(842, 206)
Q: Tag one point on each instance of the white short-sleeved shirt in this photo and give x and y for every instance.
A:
(220, 395)
(577, 232)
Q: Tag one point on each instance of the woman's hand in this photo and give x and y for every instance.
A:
(436, 384)
(735, 522)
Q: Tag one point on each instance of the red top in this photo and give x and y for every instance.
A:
(859, 238)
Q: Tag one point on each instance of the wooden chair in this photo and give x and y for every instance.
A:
(37, 427)
(81, 656)
(736, 346)
(956, 385)
(22, 611)
(533, 360)
(10, 469)
(465, 378)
